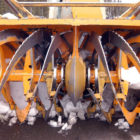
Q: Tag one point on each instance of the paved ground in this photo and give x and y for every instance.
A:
(83, 130)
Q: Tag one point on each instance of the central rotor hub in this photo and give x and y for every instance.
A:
(75, 78)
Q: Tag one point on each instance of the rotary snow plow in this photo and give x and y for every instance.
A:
(83, 56)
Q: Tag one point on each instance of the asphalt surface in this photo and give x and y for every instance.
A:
(83, 130)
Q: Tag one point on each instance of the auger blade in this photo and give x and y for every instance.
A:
(7, 37)
(75, 71)
(120, 42)
(53, 46)
(35, 38)
(17, 93)
(53, 100)
(109, 119)
(22, 113)
(99, 49)
(43, 95)
(75, 78)
(12, 36)
(136, 48)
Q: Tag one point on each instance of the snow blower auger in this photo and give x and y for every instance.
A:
(81, 55)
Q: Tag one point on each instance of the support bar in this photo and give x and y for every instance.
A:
(75, 4)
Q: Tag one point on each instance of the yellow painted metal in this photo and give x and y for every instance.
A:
(130, 116)
(52, 93)
(75, 81)
(124, 64)
(80, 12)
(108, 115)
(2, 61)
(17, 75)
(67, 23)
(40, 109)
(137, 109)
(22, 8)
(91, 109)
(102, 75)
(22, 114)
(57, 108)
(49, 82)
(75, 72)
(9, 39)
(18, 14)
(124, 60)
(83, 20)
(7, 96)
(135, 15)
(27, 79)
(124, 87)
(28, 84)
(133, 62)
(75, 42)
(6, 88)
(135, 39)
(101, 79)
(98, 95)
(76, 4)
(8, 53)
(29, 67)
(118, 96)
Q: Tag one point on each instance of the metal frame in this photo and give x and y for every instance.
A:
(88, 24)
(75, 4)
(62, 25)
(21, 6)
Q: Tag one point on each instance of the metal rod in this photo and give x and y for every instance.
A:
(75, 4)
(130, 10)
(13, 8)
(135, 14)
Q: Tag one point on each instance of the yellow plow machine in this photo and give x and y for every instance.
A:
(80, 54)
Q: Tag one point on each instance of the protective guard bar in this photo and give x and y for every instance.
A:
(21, 6)
(75, 4)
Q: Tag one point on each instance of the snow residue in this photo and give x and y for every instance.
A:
(9, 16)
(131, 75)
(31, 118)
(6, 114)
(136, 137)
(122, 124)
(71, 112)
(100, 116)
